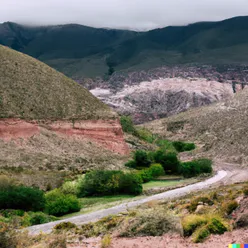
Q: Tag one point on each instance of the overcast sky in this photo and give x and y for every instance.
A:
(132, 14)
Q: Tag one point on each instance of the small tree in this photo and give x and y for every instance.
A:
(141, 159)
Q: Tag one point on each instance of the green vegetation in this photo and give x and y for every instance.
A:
(157, 170)
(59, 204)
(229, 206)
(183, 147)
(196, 167)
(201, 226)
(21, 197)
(223, 42)
(99, 183)
(65, 226)
(128, 126)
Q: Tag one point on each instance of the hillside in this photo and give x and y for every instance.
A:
(80, 51)
(219, 129)
(32, 90)
(50, 125)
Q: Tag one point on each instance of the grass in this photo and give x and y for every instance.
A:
(92, 204)
(155, 184)
(30, 89)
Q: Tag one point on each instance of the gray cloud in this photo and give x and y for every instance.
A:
(132, 14)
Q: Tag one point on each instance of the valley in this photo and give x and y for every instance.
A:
(129, 138)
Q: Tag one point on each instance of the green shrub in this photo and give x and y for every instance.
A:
(146, 175)
(131, 183)
(205, 165)
(192, 222)
(40, 218)
(59, 204)
(190, 169)
(156, 170)
(110, 183)
(146, 135)
(71, 188)
(8, 213)
(22, 197)
(182, 146)
(127, 125)
(196, 167)
(169, 161)
(216, 226)
(200, 234)
(131, 164)
(230, 206)
(141, 159)
(65, 226)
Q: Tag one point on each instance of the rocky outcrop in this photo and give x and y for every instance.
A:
(147, 101)
(106, 133)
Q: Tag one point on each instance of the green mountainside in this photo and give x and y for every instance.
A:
(30, 89)
(80, 51)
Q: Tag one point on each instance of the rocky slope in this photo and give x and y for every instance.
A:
(163, 97)
(221, 128)
(49, 122)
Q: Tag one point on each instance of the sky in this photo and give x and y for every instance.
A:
(124, 14)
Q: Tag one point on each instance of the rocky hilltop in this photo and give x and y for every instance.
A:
(48, 122)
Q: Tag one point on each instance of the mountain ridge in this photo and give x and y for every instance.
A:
(81, 51)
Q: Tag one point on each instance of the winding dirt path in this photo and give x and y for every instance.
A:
(220, 176)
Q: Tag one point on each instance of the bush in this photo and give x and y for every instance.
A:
(190, 169)
(71, 188)
(182, 146)
(191, 223)
(22, 197)
(110, 183)
(127, 125)
(169, 161)
(131, 183)
(205, 165)
(201, 234)
(40, 218)
(229, 207)
(141, 159)
(201, 226)
(59, 204)
(131, 164)
(156, 170)
(216, 226)
(146, 135)
(196, 167)
(65, 226)
(146, 175)
(150, 222)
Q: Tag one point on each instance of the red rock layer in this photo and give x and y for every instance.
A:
(106, 133)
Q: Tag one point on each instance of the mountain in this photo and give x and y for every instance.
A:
(220, 130)
(50, 126)
(80, 51)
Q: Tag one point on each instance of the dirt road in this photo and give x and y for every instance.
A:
(220, 176)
